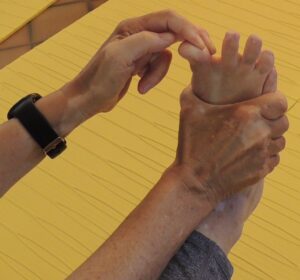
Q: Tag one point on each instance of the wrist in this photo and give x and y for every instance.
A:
(203, 183)
(190, 190)
(94, 98)
(63, 109)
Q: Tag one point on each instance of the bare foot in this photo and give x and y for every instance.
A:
(229, 79)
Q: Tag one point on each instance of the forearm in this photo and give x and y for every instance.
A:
(143, 245)
(19, 152)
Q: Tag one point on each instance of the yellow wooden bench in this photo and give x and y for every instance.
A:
(56, 216)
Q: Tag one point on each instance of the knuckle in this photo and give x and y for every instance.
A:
(285, 123)
(272, 163)
(123, 26)
(282, 103)
(263, 172)
(282, 143)
(275, 161)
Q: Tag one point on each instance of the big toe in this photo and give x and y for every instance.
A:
(199, 59)
(265, 63)
(193, 54)
(252, 50)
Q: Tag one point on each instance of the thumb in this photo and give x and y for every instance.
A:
(272, 105)
(140, 44)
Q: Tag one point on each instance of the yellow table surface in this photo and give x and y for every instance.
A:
(57, 215)
(15, 13)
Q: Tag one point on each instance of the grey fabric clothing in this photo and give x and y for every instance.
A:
(198, 259)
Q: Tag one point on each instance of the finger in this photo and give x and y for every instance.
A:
(141, 65)
(140, 44)
(279, 127)
(271, 82)
(276, 146)
(272, 105)
(125, 89)
(207, 41)
(171, 21)
(164, 21)
(157, 70)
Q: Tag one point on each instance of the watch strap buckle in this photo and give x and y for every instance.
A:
(54, 144)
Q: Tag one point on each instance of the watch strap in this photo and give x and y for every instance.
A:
(37, 125)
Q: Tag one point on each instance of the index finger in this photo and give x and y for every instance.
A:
(165, 21)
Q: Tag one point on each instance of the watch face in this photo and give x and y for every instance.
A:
(31, 98)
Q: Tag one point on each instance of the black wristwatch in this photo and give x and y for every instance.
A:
(37, 125)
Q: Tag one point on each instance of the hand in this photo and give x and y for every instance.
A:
(229, 147)
(137, 46)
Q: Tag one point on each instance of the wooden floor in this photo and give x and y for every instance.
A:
(60, 14)
(61, 212)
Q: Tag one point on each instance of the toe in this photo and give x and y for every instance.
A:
(265, 63)
(252, 50)
(193, 54)
(230, 49)
(271, 82)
